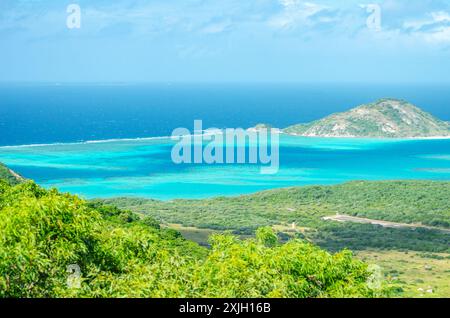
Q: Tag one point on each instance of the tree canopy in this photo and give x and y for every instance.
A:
(45, 235)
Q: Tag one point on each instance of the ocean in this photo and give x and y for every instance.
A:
(144, 168)
(31, 114)
(65, 119)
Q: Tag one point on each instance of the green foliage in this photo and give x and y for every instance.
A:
(113, 213)
(41, 233)
(250, 268)
(9, 176)
(266, 236)
(119, 255)
(418, 202)
(151, 222)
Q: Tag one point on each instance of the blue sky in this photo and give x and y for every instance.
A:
(225, 41)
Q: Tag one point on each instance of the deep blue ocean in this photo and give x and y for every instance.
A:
(64, 117)
(68, 113)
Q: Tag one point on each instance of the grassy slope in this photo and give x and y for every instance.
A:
(422, 275)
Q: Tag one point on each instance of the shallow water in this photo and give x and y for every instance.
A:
(144, 167)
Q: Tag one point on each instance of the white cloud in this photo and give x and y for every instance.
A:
(441, 16)
(297, 12)
(435, 28)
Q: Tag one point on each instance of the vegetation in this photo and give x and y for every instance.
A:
(44, 233)
(414, 262)
(415, 274)
(413, 202)
(137, 250)
(10, 176)
(386, 118)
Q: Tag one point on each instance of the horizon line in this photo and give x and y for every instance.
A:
(262, 82)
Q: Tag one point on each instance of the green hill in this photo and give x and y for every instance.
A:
(9, 175)
(412, 202)
(386, 118)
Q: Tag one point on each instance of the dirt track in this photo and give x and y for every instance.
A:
(354, 219)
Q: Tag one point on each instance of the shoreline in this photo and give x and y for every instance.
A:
(377, 138)
(265, 191)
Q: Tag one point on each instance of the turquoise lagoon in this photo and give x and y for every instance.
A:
(143, 167)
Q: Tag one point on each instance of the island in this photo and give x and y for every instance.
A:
(385, 118)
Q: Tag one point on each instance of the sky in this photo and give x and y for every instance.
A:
(390, 41)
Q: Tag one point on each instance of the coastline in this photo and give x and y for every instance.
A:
(374, 137)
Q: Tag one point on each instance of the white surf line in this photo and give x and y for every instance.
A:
(205, 132)
(86, 142)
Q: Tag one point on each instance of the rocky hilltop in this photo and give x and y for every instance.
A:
(386, 118)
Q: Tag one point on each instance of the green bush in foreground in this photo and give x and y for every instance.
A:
(119, 255)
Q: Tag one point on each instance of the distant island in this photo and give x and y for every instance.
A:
(385, 118)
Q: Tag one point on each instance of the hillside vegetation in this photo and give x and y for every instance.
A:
(413, 202)
(45, 236)
(10, 176)
(389, 118)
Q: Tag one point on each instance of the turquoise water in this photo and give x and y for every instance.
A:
(143, 167)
